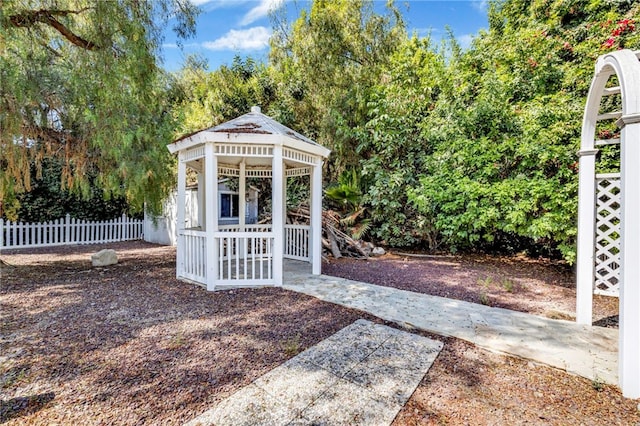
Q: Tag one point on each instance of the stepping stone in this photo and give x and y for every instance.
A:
(362, 375)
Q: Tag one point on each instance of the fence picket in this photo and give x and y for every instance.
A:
(68, 230)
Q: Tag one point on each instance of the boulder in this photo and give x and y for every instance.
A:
(104, 258)
(378, 251)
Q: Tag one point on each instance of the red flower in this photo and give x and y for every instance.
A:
(609, 43)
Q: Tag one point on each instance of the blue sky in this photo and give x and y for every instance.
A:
(226, 28)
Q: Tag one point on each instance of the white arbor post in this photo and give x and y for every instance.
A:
(181, 201)
(315, 240)
(629, 346)
(277, 224)
(211, 215)
(586, 236)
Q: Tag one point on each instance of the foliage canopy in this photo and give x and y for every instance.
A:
(81, 84)
(451, 148)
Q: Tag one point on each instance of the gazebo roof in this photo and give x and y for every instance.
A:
(251, 128)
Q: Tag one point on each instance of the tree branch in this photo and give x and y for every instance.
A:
(29, 18)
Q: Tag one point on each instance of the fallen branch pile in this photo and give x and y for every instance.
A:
(334, 240)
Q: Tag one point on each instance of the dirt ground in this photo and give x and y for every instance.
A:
(131, 345)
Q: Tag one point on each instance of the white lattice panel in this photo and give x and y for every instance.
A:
(607, 255)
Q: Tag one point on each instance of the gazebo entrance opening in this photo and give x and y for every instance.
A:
(252, 146)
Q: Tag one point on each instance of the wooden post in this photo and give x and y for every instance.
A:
(586, 236)
(242, 208)
(202, 206)
(211, 215)
(277, 199)
(181, 200)
(315, 241)
(67, 228)
(1, 233)
(629, 344)
(242, 196)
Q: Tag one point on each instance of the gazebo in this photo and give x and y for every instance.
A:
(243, 255)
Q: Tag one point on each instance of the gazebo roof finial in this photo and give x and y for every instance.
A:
(256, 108)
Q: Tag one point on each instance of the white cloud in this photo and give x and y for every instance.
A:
(480, 5)
(260, 11)
(199, 2)
(170, 45)
(465, 40)
(255, 38)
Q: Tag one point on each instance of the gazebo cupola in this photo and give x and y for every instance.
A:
(250, 146)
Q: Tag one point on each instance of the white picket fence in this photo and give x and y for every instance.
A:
(68, 230)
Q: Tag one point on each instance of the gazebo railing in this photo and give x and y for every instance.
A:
(195, 256)
(254, 227)
(296, 238)
(244, 258)
(296, 242)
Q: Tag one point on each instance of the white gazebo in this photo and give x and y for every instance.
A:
(250, 146)
(609, 204)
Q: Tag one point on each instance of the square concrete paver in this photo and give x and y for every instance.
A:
(247, 407)
(362, 375)
(296, 383)
(349, 404)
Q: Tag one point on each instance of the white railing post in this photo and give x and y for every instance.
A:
(1, 233)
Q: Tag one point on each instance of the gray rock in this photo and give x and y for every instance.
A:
(104, 258)
(378, 251)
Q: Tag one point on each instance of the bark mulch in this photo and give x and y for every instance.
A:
(131, 345)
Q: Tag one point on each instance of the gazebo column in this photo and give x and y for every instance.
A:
(277, 221)
(181, 205)
(202, 206)
(586, 236)
(284, 211)
(242, 208)
(315, 243)
(211, 215)
(629, 345)
(242, 197)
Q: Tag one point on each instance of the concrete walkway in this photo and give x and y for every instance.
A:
(591, 352)
(362, 375)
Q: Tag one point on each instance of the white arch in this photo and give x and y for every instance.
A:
(625, 65)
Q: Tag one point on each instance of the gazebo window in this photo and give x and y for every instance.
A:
(229, 205)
